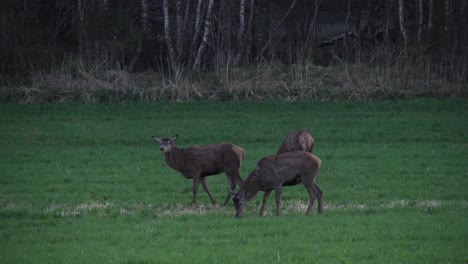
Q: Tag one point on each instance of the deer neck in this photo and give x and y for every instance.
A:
(249, 189)
(251, 194)
(175, 158)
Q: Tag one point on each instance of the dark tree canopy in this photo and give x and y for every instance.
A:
(199, 35)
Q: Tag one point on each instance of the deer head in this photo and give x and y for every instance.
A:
(239, 204)
(241, 198)
(165, 144)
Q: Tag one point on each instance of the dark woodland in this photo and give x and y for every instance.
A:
(153, 50)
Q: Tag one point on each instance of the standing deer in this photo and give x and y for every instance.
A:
(274, 172)
(197, 162)
(296, 141)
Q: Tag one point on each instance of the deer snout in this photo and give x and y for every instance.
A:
(164, 148)
(239, 205)
(239, 213)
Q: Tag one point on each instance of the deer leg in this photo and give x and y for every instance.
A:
(311, 191)
(265, 198)
(207, 190)
(196, 182)
(232, 186)
(319, 194)
(278, 192)
(232, 172)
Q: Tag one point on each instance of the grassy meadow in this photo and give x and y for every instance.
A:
(86, 184)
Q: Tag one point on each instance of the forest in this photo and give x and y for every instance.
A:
(161, 50)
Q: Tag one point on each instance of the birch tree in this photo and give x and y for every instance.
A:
(179, 30)
(197, 24)
(167, 36)
(240, 34)
(205, 35)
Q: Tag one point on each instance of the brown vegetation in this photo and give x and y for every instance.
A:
(269, 81)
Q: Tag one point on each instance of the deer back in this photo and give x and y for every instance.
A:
(207, 160)
(297, 141)
(285, 169)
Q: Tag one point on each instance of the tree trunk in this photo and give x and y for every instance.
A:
(172, 58)
(240, 34)
(144, 19)
(430, 24)
(186, 17)
(80, 11)
(448, 16)
(197, 23)
(421, 20)
(401, 15)
(388, 11)
(463, 21)
(205, 36)
(249, 29)
(179, 40)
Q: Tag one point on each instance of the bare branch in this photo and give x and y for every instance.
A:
(277, 27)
(311, 31)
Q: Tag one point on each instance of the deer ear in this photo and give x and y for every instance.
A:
(174, 138)
(157, 139)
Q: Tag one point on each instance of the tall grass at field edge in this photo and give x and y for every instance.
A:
(267, 81)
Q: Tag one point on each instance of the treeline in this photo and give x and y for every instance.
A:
(101, 41)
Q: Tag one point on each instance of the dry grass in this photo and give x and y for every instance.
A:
(266, 81)
(288, 207)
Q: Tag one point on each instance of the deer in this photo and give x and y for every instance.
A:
(296, 141)
(198, 162)
(276, 171)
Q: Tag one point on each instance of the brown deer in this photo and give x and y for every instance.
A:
(197, 162)
(274, 172)
(296, 141)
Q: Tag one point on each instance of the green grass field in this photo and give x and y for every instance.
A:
(85, 184)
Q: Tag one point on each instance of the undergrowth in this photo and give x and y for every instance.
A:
(265, 81)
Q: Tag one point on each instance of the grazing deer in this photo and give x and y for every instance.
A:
(297, 141)
(197, 162)
(274, 172)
